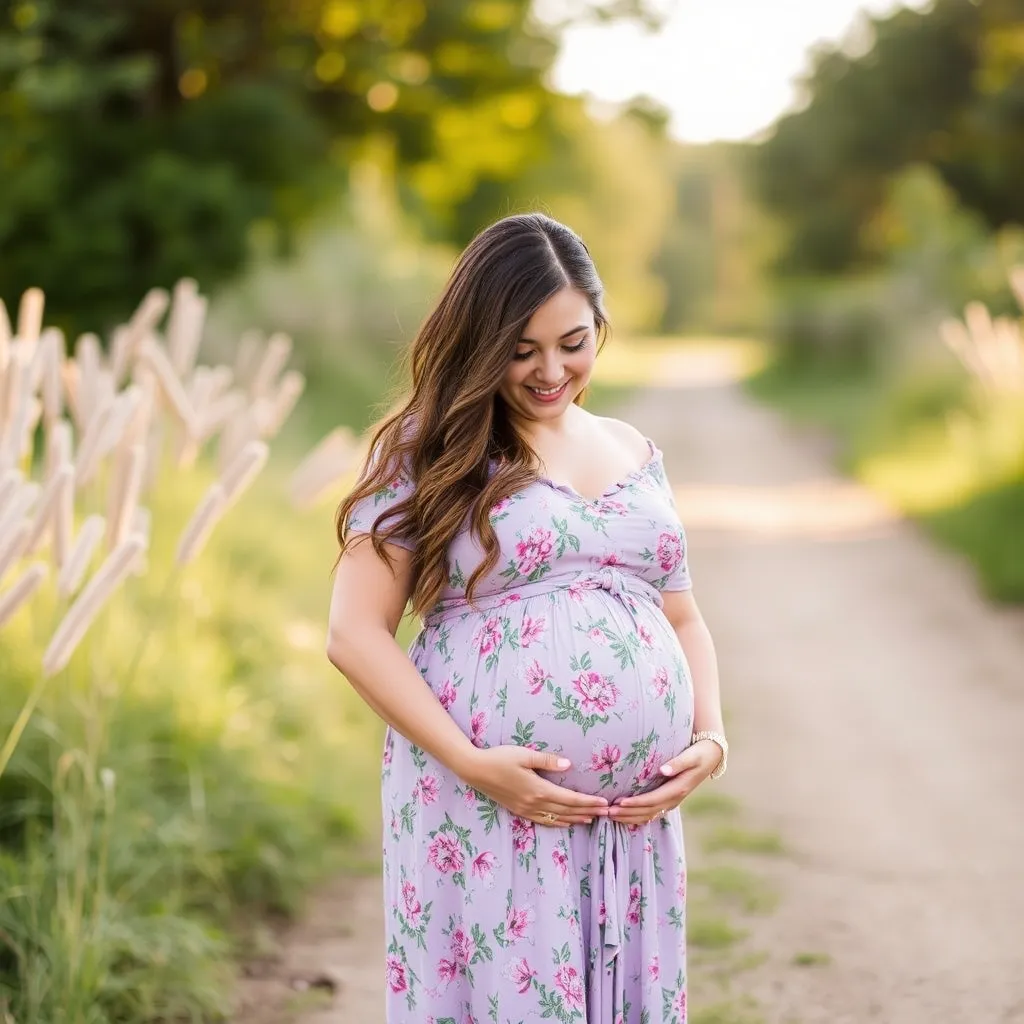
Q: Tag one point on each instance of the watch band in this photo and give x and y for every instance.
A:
(723, 743)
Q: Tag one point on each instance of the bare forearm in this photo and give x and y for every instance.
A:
(381, 673)
(699, 648)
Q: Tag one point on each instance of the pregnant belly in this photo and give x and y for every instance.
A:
(611, 692)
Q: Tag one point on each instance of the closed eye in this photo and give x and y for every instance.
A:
(520, 357)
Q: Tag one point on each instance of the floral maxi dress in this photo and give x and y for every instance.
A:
(490, 917)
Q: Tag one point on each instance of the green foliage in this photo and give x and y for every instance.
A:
(140, 143)
(943, 86)
(143, 813)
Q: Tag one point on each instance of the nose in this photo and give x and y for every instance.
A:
(550, 369)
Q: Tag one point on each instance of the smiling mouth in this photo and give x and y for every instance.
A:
(548, 392)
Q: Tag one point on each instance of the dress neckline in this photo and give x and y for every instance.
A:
(635, 474)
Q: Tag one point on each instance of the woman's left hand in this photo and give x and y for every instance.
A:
(684, 774)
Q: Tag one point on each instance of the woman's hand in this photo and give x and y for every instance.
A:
(684, 773)
(508, 775)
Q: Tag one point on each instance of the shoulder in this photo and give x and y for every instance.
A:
(627, 435)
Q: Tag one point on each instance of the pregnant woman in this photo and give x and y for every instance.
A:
(561, 699)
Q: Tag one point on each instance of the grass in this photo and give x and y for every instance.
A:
(740, 840)
(142, 816)
(729, 1012)
(811, 960)
(735, 885)
(938, 450)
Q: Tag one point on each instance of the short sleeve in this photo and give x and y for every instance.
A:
(368, 511)
(671, 547)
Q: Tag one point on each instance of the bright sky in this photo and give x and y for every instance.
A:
(725, 68)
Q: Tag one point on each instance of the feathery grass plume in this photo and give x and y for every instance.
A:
(124, 493)
(51, 347)
(20, 505)
(69, 379)
(120, 360)
(88, 448)
(10, 481)
(275, 356)
(18, 405)
(137, 429)
(46, 508)
(243, 469)
(1016, 276)
(153, 355)
(30, 315)
(199, 527)
(6, 334)
(126, 405)
(144, 320)
(26, 585)
(185, 327)
(283, 403)
(73, 571)
(64, 521)
(88, 361)
(89, 603)
(12, 545)
(237, 432)
(218, 412)
(331, 459)
(58, 446)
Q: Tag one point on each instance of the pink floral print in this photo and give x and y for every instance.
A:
(565, 649)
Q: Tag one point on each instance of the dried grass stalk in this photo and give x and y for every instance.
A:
(30, 315)
(12, 545)
(171, 387)
(144, 320)
(219, 412)
(243, 469)
(89, 603)
(120, 354)
(89, 448)
(64, 523)
(323, 467)
(87, 382)
(46, 509)
(73, 571)
(237, 432)
(200, 526)
(10, 481)
(58, 446)
(288, 393)
(52, 348)
(19, 506)
(19, 594)
(275, 356)
(124, 494)
(6, 334)
(185, 327)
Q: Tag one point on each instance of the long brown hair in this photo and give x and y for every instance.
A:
(452, 423)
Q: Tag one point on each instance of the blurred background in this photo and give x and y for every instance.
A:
(826, 182)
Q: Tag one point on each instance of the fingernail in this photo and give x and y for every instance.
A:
(667, 769)
(563, 762)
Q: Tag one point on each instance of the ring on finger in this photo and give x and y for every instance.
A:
(549, 817)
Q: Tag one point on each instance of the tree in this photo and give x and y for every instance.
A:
(142, 142)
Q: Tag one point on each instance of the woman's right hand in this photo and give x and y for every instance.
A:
(508, 775)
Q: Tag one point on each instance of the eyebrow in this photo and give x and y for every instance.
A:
(568, 334)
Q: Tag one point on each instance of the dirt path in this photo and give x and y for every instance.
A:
(876, 711)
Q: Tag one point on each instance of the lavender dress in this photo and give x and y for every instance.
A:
(493, 918)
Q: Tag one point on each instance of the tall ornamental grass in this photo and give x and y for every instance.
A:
(175, 754)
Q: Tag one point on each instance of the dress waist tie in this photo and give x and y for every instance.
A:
(626, 587)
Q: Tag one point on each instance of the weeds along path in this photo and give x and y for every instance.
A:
(876, 709)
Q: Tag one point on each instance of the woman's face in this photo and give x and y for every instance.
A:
(554, 358)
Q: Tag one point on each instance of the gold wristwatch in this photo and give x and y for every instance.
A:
(715, 737)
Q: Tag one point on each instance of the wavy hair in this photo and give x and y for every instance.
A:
(452, 426)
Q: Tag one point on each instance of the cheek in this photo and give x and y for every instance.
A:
(515, 374)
